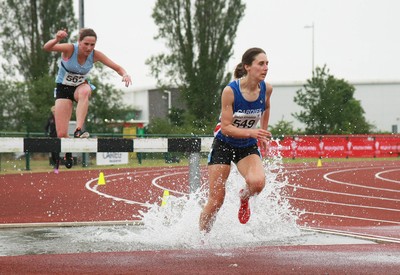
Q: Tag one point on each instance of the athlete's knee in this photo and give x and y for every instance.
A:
(256, 184)
(84, 92)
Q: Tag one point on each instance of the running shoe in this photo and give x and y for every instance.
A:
(81, 134)
(69, 161)
(244, 210)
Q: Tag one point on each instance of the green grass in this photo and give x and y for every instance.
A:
(40, 163)
(9, 165)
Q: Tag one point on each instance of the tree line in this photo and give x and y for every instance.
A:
(199, 38)
(28, 73)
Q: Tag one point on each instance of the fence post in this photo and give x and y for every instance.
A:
(27, 161)
(85, 159)
(27, 157)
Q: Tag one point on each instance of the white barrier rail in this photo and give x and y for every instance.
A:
(75, 145)
(193, 146)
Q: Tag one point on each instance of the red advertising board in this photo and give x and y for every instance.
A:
(338, 146)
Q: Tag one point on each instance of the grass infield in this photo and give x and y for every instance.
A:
(40, 162)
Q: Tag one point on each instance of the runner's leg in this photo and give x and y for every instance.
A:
(62, 115)
(252, 170)
(82, 95)
(218, 174)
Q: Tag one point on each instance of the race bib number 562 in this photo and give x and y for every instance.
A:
(71, 79)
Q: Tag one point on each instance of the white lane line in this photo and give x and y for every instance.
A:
(94, 190)
(131, 176)
(342, 194)
(344, 204)
(326, 177)
(353, 234)
(71, 224)
(154, 182)
(348, 217)
(378, 175)
(306, 169)
(379, 238)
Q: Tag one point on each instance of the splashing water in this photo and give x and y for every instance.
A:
(176, 224)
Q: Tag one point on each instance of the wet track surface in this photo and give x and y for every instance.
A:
(331, 219)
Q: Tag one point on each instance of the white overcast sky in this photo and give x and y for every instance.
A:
(358, 40)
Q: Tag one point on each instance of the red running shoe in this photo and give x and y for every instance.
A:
(244, 210)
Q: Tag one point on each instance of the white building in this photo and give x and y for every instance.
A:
(380, 101)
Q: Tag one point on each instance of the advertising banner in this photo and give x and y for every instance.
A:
(111, 158)
(338, 146)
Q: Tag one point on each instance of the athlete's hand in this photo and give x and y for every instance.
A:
(262, 134)
(61, 34)
(263, 146)
(127, 79)
(264, 138)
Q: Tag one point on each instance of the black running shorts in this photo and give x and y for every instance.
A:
(65, 91)
(223, 153)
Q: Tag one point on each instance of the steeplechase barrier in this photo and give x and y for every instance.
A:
(74, 145)
(337, 146)
(317, 146)
(193, 146)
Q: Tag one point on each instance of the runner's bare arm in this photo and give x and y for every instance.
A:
(54, 45)
(99, 56)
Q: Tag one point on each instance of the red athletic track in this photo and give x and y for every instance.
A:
(333, 197)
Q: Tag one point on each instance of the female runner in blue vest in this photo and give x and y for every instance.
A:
(72, 85)
(244, 103)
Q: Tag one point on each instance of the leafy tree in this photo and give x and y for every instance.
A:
(200, 36)
(25, 26)
(177, 116)
(106, 105)
(41, 97)
(283, 127)
(160, 126)
(13, 108)
(329, 106)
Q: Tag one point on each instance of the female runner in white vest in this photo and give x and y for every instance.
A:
(72, 85)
